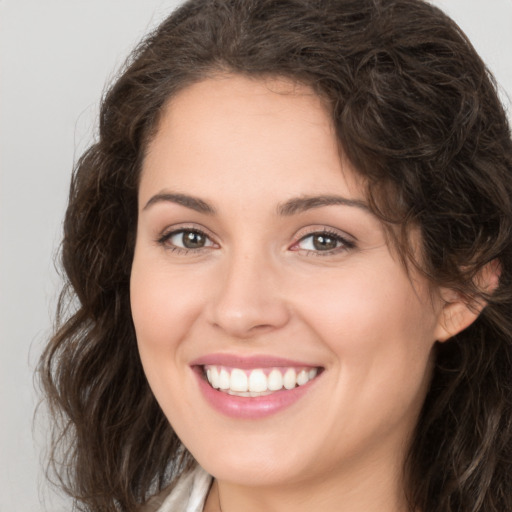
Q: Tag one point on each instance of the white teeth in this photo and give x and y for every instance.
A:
(290, 379)
(257, 381)
(223, 379)
(236, 381)
(302, 377)
(275, 380)
(213, 376)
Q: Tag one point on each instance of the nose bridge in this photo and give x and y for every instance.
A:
(249, 298)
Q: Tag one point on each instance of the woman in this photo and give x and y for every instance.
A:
(291, 252)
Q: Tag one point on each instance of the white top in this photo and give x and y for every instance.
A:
(189, 493)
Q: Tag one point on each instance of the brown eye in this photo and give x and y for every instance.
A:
(324, 242)
(193, 240)
(188, 239)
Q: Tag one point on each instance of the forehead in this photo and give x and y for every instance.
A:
(237, 128)
(244, 91)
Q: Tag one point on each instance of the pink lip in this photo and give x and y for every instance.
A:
(249, 407)
(247, 363)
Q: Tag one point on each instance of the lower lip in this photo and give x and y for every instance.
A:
(251, 407)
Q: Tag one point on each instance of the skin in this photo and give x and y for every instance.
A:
(259, 286)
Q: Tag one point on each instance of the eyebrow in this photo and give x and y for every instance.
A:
(191, 202)
(302, 204)
(290, 207)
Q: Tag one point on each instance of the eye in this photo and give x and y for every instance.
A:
(186, 239)
(323, 241)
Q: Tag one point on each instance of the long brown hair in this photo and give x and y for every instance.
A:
(417, 113)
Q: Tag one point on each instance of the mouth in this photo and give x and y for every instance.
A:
(253, 387)
(257, 382)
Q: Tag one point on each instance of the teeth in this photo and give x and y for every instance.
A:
(257, 381)
(290, 379)
(236, 381)
(275, 380)
(302, 377)
(212, 374)
(223, 379)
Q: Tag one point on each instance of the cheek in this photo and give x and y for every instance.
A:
(380, 334)
(163, 311)
(378, 327)
(372, 306)
(163, 307)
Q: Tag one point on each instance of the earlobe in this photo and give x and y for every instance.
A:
(459, 312)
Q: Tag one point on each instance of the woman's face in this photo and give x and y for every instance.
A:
(258, 262)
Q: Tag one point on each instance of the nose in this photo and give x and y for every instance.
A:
(249, 298)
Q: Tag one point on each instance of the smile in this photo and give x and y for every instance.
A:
(253, 387)
(258, 381)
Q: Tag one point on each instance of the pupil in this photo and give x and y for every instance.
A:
(193, 240)
(324, 243)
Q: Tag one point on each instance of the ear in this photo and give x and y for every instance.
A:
(459, 312)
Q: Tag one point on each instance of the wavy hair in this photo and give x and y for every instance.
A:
(418, 115)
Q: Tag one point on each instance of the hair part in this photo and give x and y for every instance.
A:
(417, 114)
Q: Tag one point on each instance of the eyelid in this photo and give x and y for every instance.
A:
(164, 235)
(348, 241)
(323, 228)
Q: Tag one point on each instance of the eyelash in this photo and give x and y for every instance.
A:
(343, 244)
(166, 237)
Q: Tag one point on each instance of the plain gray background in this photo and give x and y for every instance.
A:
(55, 58)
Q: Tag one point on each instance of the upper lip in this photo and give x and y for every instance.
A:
(249, 362)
